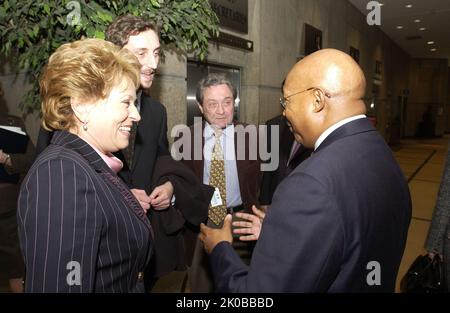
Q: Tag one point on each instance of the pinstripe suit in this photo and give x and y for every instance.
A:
(72, 207)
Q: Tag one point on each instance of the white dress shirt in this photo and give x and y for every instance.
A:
(332, 128)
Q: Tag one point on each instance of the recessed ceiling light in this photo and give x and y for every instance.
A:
(422, 28)
(433, 49)
(399, 27)
(417, 20)
(408, 6)
(431, 42)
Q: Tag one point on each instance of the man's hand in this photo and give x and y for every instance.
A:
(251, 227)
(143, 198)
(211, 236)
(161, 196)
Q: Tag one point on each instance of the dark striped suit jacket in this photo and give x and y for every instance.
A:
(80, 228)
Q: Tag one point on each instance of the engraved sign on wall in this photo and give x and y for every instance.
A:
(233, 14)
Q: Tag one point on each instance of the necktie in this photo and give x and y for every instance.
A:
(217, 179)
(128, 152)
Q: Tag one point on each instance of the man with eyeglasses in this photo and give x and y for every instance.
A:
(339, 221)
(225, 163)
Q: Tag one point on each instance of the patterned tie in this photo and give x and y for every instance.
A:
(128, 152)
(217, 179)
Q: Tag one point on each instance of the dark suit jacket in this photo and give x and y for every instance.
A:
(271, 179)
(73, 208)
(342, 208)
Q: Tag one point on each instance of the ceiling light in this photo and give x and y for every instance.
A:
(417, 21)
(431, 42)
(408, 6)
(433, 49)
(381, 4)
(422, 28)
(399, 27)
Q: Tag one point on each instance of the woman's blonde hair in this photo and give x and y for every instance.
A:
(86, 69)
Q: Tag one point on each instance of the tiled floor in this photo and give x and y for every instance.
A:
(422, 162)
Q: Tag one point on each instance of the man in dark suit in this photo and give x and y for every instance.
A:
(238, 180)
(339, 221)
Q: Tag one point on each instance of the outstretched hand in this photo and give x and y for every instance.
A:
(251, 227)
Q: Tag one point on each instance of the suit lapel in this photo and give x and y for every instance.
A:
(94, 159)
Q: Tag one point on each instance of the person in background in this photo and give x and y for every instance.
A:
(80, 227)
(13, 167)
(438, 238)
(341, 214)
(236, 179)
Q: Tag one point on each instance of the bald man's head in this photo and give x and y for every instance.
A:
(333, 86)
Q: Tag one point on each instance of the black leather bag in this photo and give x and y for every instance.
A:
(426, 275)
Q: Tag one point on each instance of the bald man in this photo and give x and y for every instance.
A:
(338, 222)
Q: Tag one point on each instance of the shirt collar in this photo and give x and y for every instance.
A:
(209, 132)
(333, 127)
(113, 162)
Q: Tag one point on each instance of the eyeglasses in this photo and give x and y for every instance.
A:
(214, 105)
(283, 102)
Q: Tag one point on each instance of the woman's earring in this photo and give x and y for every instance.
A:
(85, 128)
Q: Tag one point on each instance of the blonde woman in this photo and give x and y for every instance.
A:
(81, 229)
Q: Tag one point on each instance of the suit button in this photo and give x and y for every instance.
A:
(140, 276)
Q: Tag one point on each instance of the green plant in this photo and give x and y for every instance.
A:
(31, 30)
